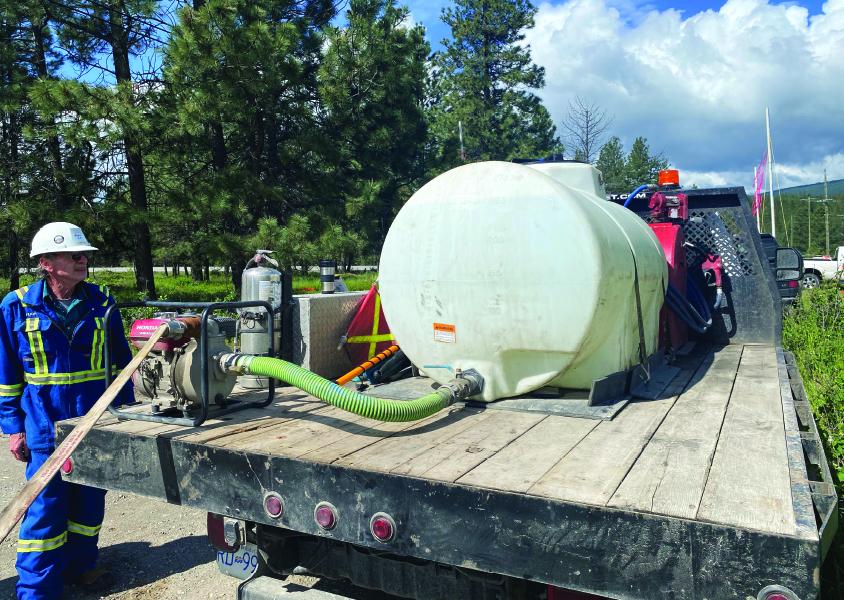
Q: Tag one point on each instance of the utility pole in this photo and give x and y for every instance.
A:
(826, 206)
(809, 243)
(759, 209)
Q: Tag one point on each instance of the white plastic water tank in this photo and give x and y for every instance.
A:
(503, 268)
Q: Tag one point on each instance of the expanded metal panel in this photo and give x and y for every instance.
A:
(718, 232)
(720, 223)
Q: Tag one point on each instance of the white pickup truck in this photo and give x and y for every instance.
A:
(818, 268)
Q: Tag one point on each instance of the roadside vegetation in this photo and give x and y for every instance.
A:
(813, 330)
(217, 288)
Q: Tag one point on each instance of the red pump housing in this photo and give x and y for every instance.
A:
(673, 331)
(669, 210)
(142, 329)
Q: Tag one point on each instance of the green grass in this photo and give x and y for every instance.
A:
(813, 330)
(184, 289)
(218, 288)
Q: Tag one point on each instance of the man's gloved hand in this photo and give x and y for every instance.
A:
(17, 446)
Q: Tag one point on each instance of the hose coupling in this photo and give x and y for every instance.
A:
(233, 362)
(465, 385)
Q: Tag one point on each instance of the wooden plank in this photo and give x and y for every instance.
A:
(669, 476)
(389, 452)
(249, 421)
(592, 471)
(292, 436)
(452, 458)
(138, 427)
(749, 483)
(132, 427)
(368, 432)
(534, 453)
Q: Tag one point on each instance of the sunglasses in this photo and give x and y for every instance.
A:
(74, 256)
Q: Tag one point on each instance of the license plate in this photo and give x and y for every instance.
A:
(240, 564)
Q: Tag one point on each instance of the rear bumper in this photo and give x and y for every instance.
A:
(270, 588)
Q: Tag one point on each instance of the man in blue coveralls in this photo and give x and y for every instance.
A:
(51, 368)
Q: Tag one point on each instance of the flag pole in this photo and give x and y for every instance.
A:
(756, 209)
(770, 174)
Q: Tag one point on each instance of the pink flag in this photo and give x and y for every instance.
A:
(759, 183)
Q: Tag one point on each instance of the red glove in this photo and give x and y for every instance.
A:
(17, 446)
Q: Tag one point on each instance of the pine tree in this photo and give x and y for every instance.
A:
(42, 177)
(241, 77)
(372, 87)
(481, 84)
(102, 36)
(611, 163)
(641, 166)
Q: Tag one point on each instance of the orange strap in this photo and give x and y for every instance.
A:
(372, 361)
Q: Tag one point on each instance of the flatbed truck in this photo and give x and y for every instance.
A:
(716, 488)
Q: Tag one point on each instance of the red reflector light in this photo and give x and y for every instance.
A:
(793, 284)
(776, 592)
(217, 533)
(382, 527)
(67, 467)
(325, 515)
(273, 505)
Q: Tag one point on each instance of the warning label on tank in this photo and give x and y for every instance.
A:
(443, 332)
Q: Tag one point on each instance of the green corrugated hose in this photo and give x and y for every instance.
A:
(381, 409)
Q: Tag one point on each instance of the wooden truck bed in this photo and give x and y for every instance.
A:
(703, 492)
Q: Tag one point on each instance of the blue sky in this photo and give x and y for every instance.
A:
(695, 78)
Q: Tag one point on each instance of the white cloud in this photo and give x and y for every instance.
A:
(697, 86)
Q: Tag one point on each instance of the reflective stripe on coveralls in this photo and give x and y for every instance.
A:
(36, 345)
(42, 545)
(84, 529)
(58, 535)
(97, 345)
(60, 530)
(66, 378)
(11, 391)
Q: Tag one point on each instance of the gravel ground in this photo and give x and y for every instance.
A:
(155, 551)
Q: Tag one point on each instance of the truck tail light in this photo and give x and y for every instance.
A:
(793, 284)
(217, 533)
(325, 515)
(382, 526)
(776, 592)
(273, 505)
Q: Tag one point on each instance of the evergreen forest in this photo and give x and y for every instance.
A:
(188, 134)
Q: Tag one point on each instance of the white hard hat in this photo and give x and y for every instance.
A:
(59, 237)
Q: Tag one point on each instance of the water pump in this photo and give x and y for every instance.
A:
(170, 377)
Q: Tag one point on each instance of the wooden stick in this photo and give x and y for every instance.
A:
(15, 510)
